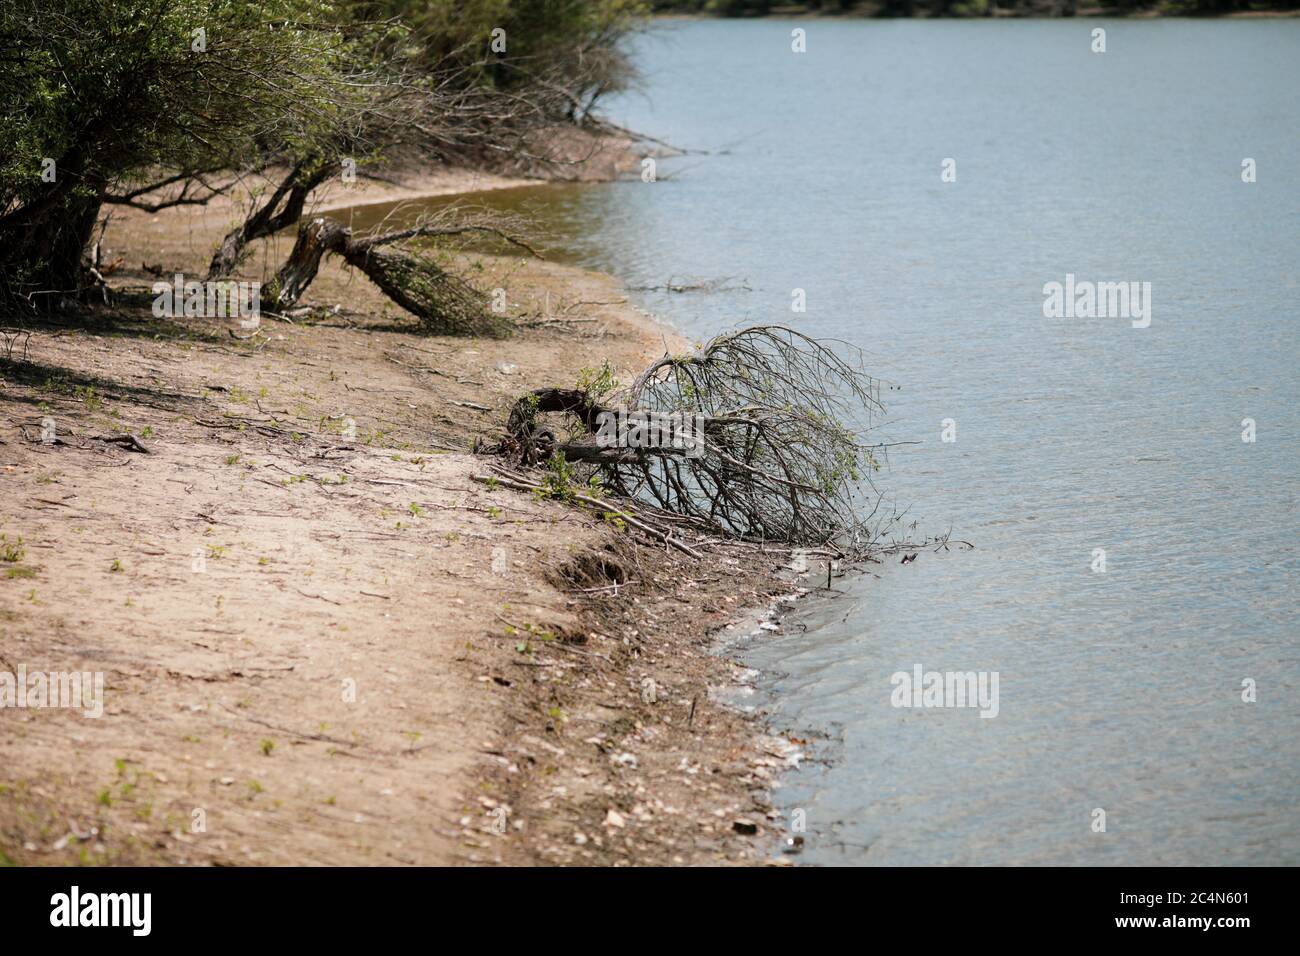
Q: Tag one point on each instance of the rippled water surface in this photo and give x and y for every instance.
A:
(1120, 690)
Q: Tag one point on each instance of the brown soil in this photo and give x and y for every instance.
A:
(304, 524)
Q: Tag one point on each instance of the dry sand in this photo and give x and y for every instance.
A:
(324, 643)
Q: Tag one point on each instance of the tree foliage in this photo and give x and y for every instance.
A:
(155, 103)
(99, 97)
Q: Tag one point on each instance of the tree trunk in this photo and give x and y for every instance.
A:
(265, 221)
(315, 238)
(43, 260)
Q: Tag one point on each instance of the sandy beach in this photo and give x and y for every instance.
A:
(323, 642)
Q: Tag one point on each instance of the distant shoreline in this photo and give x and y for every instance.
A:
(1085, 13)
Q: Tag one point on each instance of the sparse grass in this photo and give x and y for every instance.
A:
(11, 552)
(86, 394)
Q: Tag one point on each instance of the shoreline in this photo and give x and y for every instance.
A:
(564, 708)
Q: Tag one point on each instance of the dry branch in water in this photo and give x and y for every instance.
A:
(758, 435)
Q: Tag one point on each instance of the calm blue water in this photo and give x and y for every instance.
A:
(1118, 690)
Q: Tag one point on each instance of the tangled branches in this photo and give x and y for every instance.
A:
(758, 435)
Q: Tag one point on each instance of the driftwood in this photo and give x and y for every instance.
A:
(758, 435)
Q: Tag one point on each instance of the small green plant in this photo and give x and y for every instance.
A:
(11, 551)
(597, 382)
(267, 747)
(89, 397)
(115, 566)
(560, 479)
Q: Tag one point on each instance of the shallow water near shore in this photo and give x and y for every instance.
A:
(1119, 690)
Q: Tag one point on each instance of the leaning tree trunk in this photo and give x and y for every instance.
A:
(265, 220)
(315, 238)
(444, 303)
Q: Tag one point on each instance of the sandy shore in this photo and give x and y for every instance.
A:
(322, 641)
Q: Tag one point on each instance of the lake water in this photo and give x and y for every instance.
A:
(1120, 691)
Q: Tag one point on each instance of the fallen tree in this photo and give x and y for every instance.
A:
(759, 435)
(444, 303)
